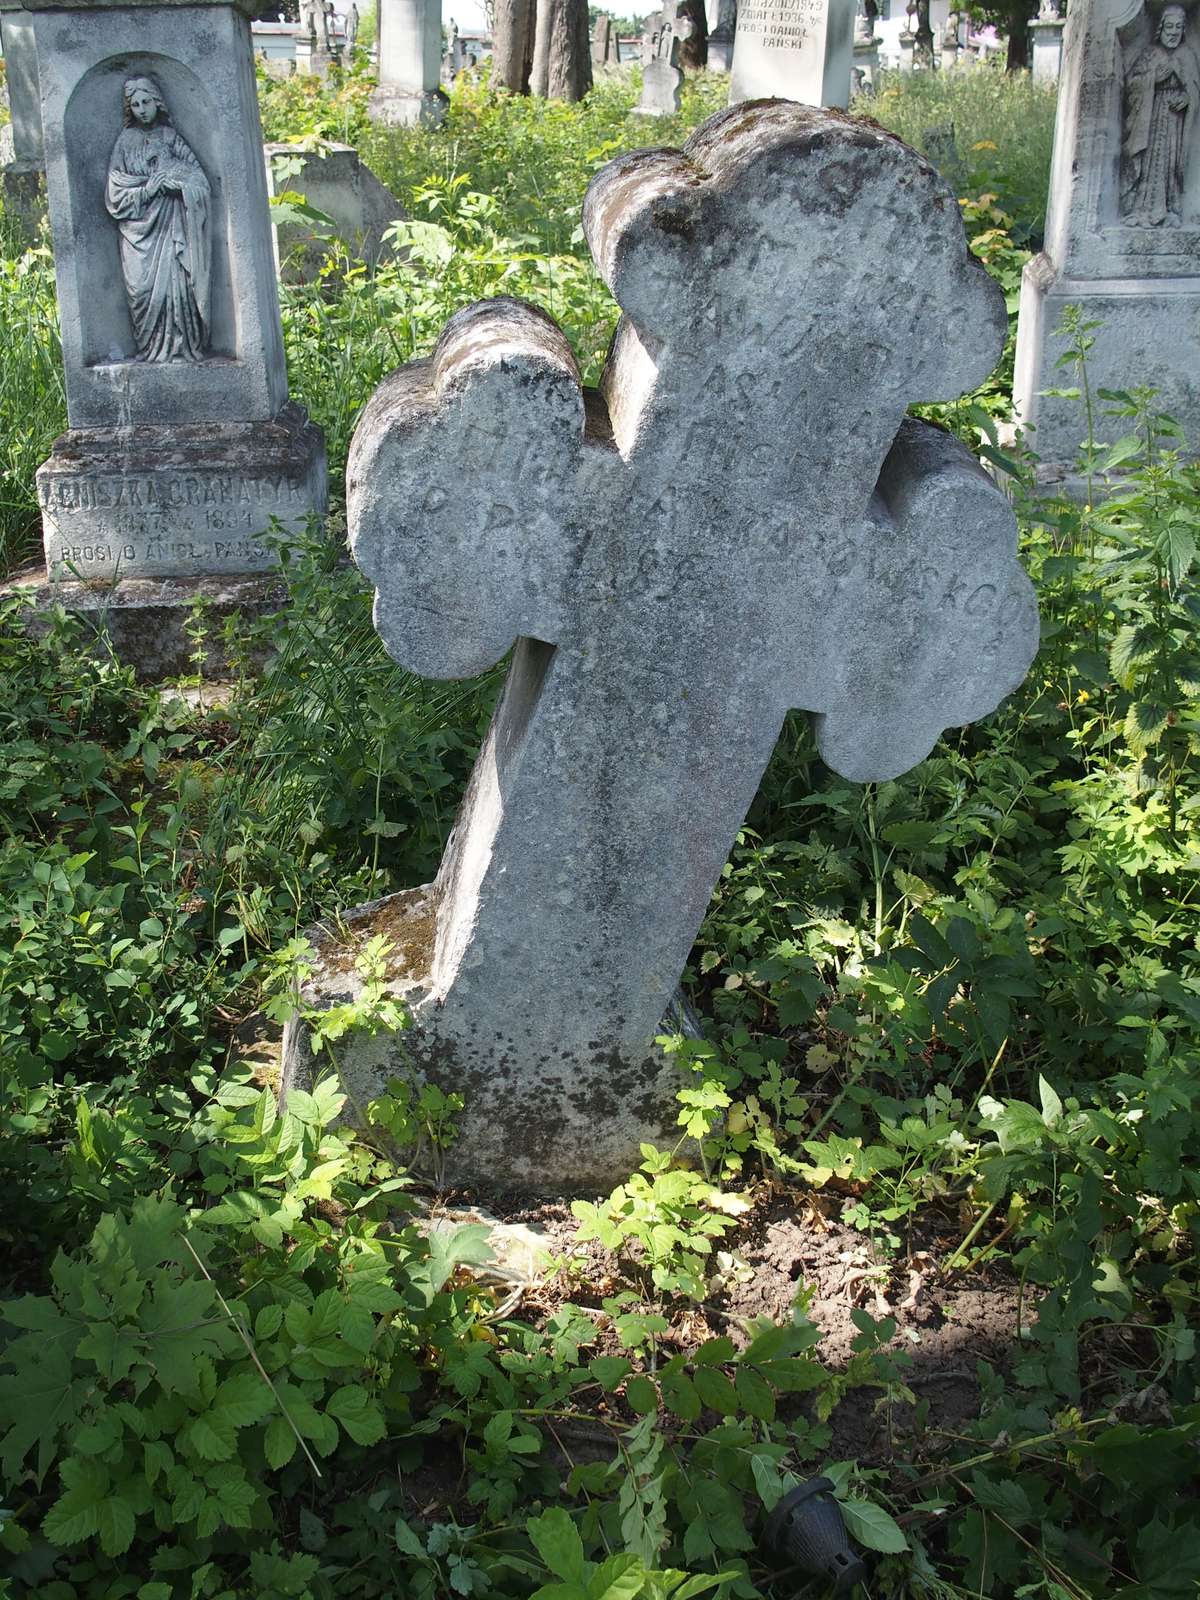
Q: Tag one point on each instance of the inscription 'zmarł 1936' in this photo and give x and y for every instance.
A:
(126, 525)
(785, 24)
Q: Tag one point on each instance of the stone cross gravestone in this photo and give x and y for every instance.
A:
(409, 64)
(1122, 224)
(799, 49)
(737, 522)
(184, 448)
(662, 75)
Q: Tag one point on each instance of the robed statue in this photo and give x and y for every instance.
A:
(160, 199)
(1162, 99)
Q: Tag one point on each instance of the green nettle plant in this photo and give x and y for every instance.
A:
(957, 1013)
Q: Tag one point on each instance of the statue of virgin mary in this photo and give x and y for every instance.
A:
(159, 198)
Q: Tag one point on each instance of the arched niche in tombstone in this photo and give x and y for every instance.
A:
(92, 126)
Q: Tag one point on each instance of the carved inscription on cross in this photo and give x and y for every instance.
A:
(737, 523)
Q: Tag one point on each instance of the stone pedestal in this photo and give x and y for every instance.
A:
(399, 108)
(410, 60)
(313, 59)
(178, 502)
(866, 62)
(183, 450)
(1046, 42)
(794, 49)
(1122, 225)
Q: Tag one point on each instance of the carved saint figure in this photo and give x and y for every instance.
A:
(352, 26)
(159, 197)
(1162, 98)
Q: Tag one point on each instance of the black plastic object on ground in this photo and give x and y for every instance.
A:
(806, 1531)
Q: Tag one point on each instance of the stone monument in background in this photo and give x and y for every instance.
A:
(1046, 41)
(604, 43)
(738, 521)
(1123, 221)
(797, 49)
(722, 27)
(409, 43)
(22, 164)
(662, 75)
(184, 449)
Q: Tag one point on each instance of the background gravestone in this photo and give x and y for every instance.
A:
(1123, 222)
(722, 27)
(603, 47)
(737, 522)
(798, 49)
(183, 448)
(662, 75)
(24, 164)
(336, 182)
(409, 64)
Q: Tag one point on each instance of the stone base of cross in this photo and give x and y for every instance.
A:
(739, 521)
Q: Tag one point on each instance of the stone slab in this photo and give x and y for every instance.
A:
(145, 620)
(739, 521)
(176, 502)
(200, 59)
(337, 182)
(800, 50)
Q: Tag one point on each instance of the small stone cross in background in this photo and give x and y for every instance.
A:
(740, 521)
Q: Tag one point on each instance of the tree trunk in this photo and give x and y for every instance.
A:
(512, 44)
(1018, 40)
(562, 58)
(693, 52)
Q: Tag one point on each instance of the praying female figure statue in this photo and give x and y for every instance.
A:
(159, 198)
(1162, 99)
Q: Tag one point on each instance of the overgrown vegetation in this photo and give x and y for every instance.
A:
(963, 1005)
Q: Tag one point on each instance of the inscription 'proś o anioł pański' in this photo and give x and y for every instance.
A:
(740, 521)
(111, 525)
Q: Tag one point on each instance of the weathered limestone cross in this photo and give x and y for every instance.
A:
(739, 522)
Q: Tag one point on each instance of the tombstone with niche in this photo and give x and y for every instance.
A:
(409, 64)
(737, 522)
(1122, 233)
(184, 449)
(798, 49)
(23, 158)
